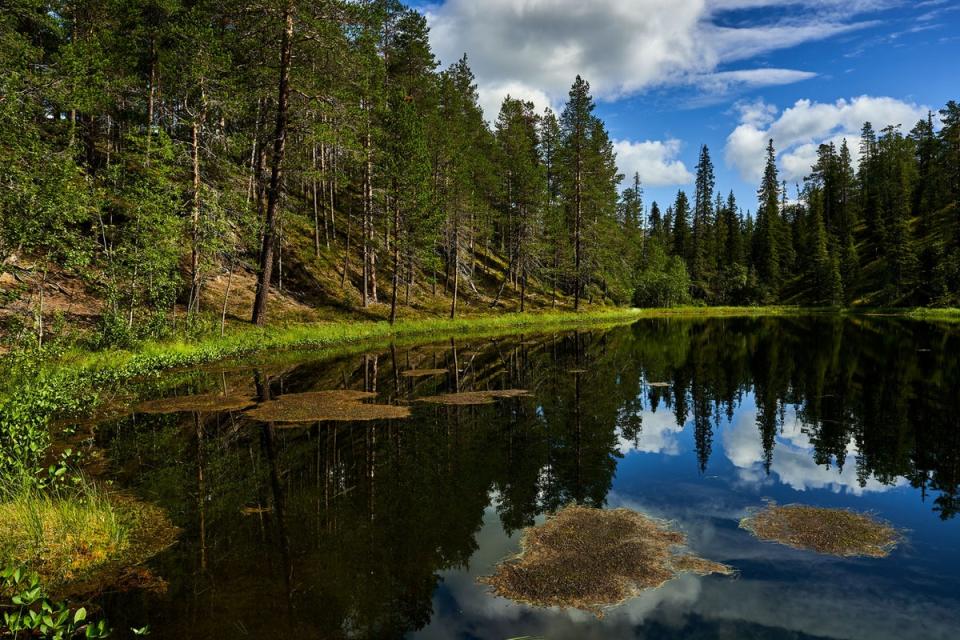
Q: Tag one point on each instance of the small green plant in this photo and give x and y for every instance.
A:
(28, 610)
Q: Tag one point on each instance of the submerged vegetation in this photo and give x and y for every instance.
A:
(592, 559)
(837, 532)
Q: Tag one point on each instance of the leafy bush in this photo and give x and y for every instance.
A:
(664, 282)
(29, 611)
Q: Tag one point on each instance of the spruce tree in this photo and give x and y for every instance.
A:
(767, 235)
(702, 210)
(575, 123)
(681, 228)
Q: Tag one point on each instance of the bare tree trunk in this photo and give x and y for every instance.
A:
(43, 283)
(226, 300)
(523, 290)
(273, 195)
(254, 148)
(366, 257)
(333, 189)
(456, 271)
(578, 221)
(195, 216)
(409, 278)
(150, 97)
(396, 261)
(346, 251)
(316, 207)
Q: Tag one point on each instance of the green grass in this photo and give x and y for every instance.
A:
(76, 533)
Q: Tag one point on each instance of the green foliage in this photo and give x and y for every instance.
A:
(664, 282)
(29, 611)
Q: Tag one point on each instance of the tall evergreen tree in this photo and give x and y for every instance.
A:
(767, 236)
(702, 214)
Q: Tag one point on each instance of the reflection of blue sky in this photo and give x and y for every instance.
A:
(779, 590)
(915, 593)
(793, 462)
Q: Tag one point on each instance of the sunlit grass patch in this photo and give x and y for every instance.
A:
(78, 535)
(836, 532)
(326, 406)
(475, 397)
(593, 559)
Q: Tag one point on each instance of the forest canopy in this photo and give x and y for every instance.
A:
(151, 146)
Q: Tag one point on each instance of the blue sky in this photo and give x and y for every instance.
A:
(670, 75)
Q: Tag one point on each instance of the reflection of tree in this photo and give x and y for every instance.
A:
(344, 529)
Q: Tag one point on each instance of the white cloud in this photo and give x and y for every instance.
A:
(655, 160)
(535, 48)
(800, 129)
(723, 81)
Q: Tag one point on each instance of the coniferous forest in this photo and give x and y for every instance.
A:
(149, 147)
(308, 329)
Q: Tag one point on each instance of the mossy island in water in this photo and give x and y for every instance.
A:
(837, 532)
(326, 406)
(203, 403)
(467, 398)
(594, 559)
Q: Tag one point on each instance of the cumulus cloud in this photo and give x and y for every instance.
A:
(799, 130)
(534, 48)
(655, 160)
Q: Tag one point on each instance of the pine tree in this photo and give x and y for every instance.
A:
(702, 210)
(575, 122)
(767, 235)
(681, 228)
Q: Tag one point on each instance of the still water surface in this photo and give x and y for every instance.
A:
(380, 529)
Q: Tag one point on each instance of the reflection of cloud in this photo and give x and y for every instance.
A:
(793, 461)
(836, 598)
(659, 435)
(477, 613)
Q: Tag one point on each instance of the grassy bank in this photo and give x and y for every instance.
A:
(76, 533)
(39, 386)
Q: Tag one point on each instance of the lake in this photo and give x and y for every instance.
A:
(380, 528)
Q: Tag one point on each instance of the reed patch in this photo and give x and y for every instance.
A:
(837, 532)
(594, 559)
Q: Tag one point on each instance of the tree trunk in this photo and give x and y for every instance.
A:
(396, 261)
(273, 194)
(316, 207)
(346, 251)
(523, 290)
(226, 300)
(150, 97)
(456, 273)
(578, 220)
(195, 217)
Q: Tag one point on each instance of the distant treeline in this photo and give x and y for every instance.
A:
(150, 146)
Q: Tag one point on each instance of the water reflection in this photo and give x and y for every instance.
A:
(377, 529)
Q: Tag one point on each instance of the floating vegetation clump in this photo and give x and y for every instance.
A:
(204, 403)
(475, 397)
(326, 406)
(422, 373)
(593, 559)
(836, 532)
